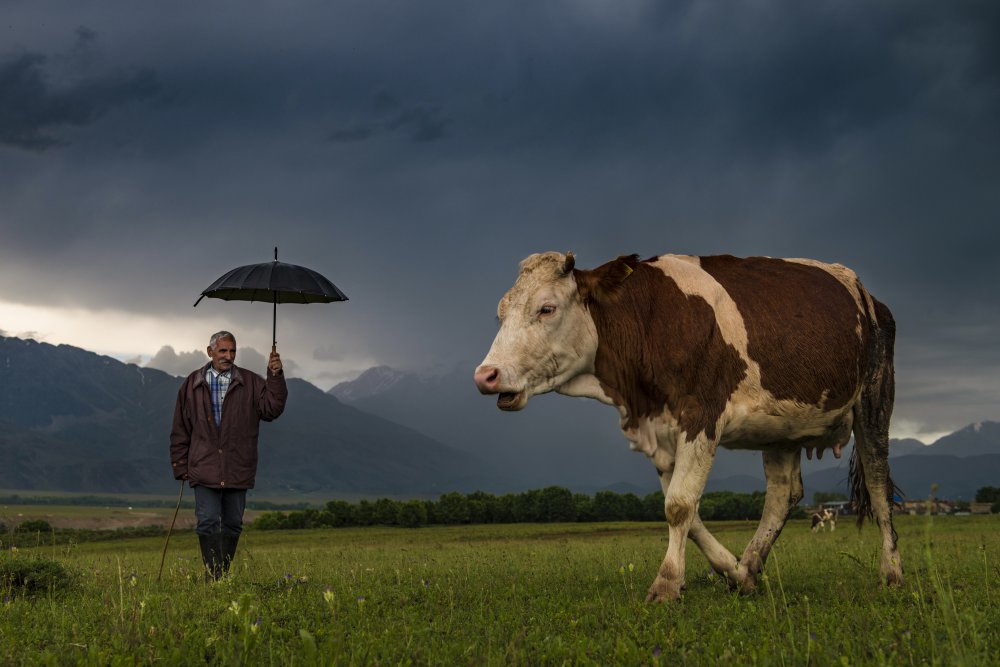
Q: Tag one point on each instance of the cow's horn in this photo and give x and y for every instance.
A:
(570, 262)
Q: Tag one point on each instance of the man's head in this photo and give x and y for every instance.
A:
(222, 350)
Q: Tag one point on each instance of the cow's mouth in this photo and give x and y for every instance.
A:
(511, 401)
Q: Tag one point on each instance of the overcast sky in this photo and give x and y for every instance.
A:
(415, 152)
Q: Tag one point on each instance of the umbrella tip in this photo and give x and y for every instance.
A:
(276, 253)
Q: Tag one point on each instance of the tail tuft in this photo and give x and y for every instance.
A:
(861, 502)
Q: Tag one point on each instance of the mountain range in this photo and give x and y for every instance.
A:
(72, 420)
(576, 442)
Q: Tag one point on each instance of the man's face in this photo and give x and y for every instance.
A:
(223, 354)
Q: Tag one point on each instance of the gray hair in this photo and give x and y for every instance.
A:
(216, 337)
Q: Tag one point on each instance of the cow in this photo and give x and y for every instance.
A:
(823, 517)
(775, 355)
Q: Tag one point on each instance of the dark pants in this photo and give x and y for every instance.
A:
(219, 510)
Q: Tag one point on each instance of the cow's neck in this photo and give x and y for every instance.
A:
(585, 386)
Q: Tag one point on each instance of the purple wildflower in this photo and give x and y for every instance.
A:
(656, 651)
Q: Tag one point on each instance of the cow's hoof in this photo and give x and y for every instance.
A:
(892, 570)
(743, 581)
(664, 591)
(744, 586)
(893, 579)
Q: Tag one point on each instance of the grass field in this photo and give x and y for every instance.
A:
(514, 594)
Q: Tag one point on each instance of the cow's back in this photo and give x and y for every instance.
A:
(805, 325)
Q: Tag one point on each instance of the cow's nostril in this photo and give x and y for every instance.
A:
(487, 378)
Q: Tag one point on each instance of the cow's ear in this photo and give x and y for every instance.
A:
(569, 263)
(606, 282)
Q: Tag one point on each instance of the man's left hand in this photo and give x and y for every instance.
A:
(274, 363)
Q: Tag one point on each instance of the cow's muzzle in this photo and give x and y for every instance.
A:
(488, 381)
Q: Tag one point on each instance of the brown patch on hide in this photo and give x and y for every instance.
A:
(658, 348)
(802, 326)
(677, 513)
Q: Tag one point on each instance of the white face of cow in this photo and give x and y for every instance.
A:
(546, 335)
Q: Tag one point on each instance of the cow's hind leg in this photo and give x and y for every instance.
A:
(872, 489)
(784, 490)
(681, 496)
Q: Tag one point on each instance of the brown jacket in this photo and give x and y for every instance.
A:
(224, 456)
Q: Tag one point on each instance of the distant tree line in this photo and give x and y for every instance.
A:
(107, 501)
(823, 497)
(38, 532)
(548, 505)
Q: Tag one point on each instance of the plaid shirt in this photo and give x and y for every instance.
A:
(219, 382)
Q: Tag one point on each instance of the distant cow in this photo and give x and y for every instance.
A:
(823, 517)
(777, 355)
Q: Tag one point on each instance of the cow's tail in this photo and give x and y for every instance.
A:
(870, 458)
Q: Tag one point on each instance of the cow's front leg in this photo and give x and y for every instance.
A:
(681, 495)
(719, 557)
(784, 490)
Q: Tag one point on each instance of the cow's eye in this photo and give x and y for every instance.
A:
(546, 310)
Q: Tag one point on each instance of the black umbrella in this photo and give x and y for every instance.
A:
(273, 282)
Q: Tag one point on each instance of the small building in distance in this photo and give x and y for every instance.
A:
(840, 507)
(979, 508)
(934, 505)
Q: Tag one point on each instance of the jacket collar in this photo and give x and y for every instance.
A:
(235, 376)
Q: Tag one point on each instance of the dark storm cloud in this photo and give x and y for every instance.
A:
(753, 81)
(421, 124)
(354, 133)
(35, 112)
(416, 161)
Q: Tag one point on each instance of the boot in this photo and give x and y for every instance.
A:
(229, 542)
(211, 555)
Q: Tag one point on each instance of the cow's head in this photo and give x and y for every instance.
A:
(547, 336)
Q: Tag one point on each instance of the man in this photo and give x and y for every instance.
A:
(213, 443)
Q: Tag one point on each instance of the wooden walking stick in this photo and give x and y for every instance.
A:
(180, 493)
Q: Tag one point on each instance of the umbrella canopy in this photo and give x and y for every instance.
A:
(273, 282)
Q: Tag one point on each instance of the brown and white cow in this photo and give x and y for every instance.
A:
(777, 355)
(823, 517)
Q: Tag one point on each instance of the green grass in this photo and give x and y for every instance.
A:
(517, 594)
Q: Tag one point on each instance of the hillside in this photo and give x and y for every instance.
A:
(572, 442)
(956, 478)
(72, 420)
